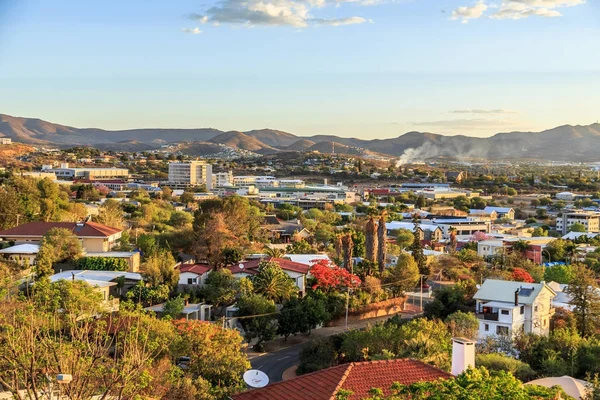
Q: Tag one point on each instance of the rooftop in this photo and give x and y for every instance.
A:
(504, 291)
(357, 377)
(81, 229)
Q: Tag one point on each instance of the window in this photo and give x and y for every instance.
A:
(486, 327)
(522, 310)
(535, 308)
(502, 330)
(504, 312)
(544, 323)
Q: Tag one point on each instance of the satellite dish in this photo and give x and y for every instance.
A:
(478, 286)
(241, 266)
(255, 378)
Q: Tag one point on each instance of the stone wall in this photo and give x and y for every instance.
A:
(380, 309)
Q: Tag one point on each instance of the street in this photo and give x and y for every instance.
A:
(273, 364)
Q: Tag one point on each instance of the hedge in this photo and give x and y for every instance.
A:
(103, 264)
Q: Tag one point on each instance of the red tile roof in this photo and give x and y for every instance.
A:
(357, 377)
(251, 266)
(195, 268)
(88, 229)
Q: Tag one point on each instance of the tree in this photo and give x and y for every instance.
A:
(220, 288)
(420, 202)
(159, 269)
(173, 307)
(539, 232)
(348, 244)
(111, 214)
(274, 252)
(463, 324)
(260, 321)
(273, 283)
(559, 274)
(453, 243)
(520, 246)
(450, 299)
(476, 383)
(404, 237)
(216, 355)
(300, 247)
(577, 227)
(187, 197)
(402, 277)
(417, 253)
(520, 275)
(179, 219)
(329, 276)
(57, 245)
(371, 240)
(585, 299)
(381, 242)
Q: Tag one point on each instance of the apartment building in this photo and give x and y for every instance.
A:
(5, 141)
(191, 173)
(590, 220)
(222, 179)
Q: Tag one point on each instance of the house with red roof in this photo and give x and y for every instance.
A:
(94, 237)
(357, 377)
(193, 275)
(295, 270)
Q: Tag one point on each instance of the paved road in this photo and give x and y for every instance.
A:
(273, 364)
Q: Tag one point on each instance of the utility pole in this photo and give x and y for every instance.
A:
(421, 300)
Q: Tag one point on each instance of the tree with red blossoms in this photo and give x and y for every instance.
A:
(520, 275)
(330, 276)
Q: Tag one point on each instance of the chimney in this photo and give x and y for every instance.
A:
(517, 297)
(463, 355)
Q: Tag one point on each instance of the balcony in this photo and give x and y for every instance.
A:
(488, 316)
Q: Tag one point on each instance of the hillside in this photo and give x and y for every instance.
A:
(567, 142)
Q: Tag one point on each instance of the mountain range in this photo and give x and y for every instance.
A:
(567, 142)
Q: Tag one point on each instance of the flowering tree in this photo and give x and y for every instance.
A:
(520, 275)
(478, 237)
(330, 276)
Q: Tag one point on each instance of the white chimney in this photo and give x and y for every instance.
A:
(463, 355)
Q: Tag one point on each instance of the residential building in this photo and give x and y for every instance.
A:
(501, 212)
(357, 378)
(132, 257)
(222, 179)
(190, 173)
(22, 254)
(296, 271)
(5, 141)
(67, 173)
(191, 311)
(508, 307)
(193, 275)
(462, 226)
(589, 220)
(565, 196)
(427, 231)
(484, 215)
(285, 231)
(94, 237)
(499, 246)
(439, 193)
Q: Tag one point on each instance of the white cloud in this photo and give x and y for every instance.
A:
(192, 31)
(467, 13)
(514, 9)
(294, 13)
(481, 111)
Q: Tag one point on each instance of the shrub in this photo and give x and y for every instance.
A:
(501, 362)
(316, 355)
(103, 264)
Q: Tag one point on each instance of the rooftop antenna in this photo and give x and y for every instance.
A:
(255, 378)
(241, 266)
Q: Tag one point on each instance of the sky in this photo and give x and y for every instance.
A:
(353, 68)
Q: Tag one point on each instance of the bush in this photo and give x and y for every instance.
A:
(316, 355)
(103, 264)
(501, 362)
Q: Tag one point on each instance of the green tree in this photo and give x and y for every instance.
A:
(585, 299)
(463, 324)
(577, 227)
(403, 277)
(260, 321)
(220, 288)
(539, 232)
(404, 237)
(111, 214)
(173, 307)
(273, 283)
(57, 245)
(416, 250)
(450, 299)
(559, 274)
(300, 247)
(159, 269)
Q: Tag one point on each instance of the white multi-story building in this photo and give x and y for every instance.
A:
(69, 173)
(590, 220)
(191, 173)
(251, 180)
(222, 179)
(5, 140)
(507, 308)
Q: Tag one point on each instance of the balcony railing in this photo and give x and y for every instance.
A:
(488, 316)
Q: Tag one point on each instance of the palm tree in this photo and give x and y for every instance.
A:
(348, 249)
(274, 252)
(371, 240)
(273, 283)
(381, 242)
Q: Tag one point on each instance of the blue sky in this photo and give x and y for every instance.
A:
(366, 68)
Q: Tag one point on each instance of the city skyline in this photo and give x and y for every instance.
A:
(368, 69)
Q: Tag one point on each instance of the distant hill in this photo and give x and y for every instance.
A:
(242, 141)
(568, 142)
